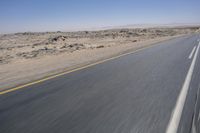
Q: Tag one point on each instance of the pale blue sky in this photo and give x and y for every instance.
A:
(53, 15)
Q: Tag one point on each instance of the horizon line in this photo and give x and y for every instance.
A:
(99, 28)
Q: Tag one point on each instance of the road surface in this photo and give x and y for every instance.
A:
(143, 92)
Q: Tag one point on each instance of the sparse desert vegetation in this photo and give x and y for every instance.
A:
(27, 45)
(29, 56)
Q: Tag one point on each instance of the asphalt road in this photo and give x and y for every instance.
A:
(136, 93)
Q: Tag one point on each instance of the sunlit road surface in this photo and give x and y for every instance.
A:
(153, 90)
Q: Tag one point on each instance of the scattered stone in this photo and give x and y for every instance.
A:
(101, 46)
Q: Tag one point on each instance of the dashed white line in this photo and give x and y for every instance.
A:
(199, 116)
(194, 117)
(191, 54)
(177, 112)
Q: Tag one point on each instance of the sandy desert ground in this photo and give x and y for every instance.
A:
(25, 57)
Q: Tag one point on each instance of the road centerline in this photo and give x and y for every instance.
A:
(73, 70)
(177, 112)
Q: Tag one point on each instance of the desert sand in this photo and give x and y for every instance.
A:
(25, 57)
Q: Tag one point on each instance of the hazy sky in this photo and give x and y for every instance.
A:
(53, 15)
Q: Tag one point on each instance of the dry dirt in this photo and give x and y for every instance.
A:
(25, 57)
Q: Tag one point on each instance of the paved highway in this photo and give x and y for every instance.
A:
(153, 90)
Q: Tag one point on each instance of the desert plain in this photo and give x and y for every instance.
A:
(29, 56)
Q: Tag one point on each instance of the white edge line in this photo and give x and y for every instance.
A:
(194, 117)
(177, 112)
(191, 54)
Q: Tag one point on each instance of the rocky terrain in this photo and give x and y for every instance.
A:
(26, 57)
(14, 47)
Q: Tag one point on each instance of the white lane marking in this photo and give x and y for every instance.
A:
(177, 112)
(194, 129)
(199, 116)
(191, 54)
(194, 117)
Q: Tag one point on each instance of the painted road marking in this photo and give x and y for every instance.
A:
(74, 70)
(199, 116)
(177, 112)
(191, 54)
(194, 116)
